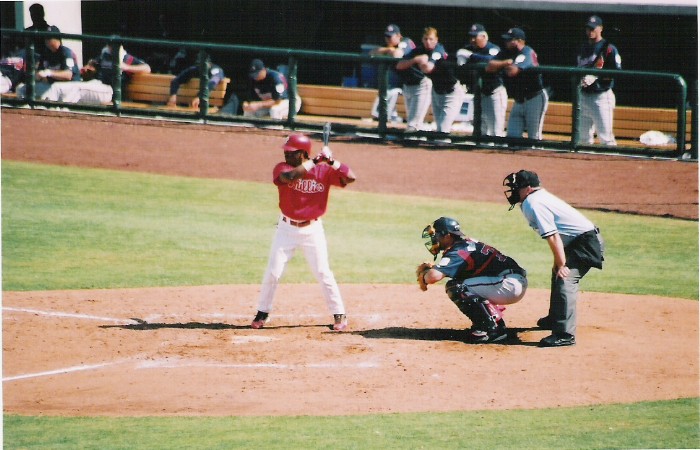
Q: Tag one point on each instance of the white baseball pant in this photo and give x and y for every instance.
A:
(446, 107)
(597, 117)
(312, 241)
(278, 112)
(417, 99)
(392, 98)
(493, 112)
(91, 92)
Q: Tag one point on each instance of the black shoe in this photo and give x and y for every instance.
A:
(558, 340)
(497, 334)
(546, 323)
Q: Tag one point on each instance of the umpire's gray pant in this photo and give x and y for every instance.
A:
(564, 295)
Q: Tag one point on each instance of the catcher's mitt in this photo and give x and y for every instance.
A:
(420, 275)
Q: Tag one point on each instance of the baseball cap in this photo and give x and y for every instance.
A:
(256, 66)
(594, 21)
(54, 29)
(476, 29)
(514, 33)
(392, 30)
(525, 178)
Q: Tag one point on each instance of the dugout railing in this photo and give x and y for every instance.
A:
(295, 57)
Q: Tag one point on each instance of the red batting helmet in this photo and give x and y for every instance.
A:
(296, 142)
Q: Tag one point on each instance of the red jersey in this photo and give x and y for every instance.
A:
(306, 198)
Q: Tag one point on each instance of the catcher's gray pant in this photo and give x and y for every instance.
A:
(417, 100)
(493, 112)
(312, 240)
(91, 92)
(564, 295)
(597, 117)
(528, 115)
(446, 107)
(504, 289)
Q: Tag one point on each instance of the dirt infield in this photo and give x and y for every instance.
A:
(189, 351)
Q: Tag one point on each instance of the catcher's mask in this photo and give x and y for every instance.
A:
(438, 229)
(516, 181)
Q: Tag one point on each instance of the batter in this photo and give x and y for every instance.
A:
(303, 186)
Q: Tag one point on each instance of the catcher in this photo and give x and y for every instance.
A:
(482, 278)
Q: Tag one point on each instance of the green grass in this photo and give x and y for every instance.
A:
(666, 424)
(70, 228)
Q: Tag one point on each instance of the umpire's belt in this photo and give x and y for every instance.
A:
(301, 224)
(528, 96)
(521, 272)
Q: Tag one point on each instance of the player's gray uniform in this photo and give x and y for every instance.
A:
(548, 215)
(598, 98)
(531, 100)
(494, 98)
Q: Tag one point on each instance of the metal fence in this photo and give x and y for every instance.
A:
(295, 57)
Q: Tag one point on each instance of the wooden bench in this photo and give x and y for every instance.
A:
(350, 104)
(153, 89)
(336, 101)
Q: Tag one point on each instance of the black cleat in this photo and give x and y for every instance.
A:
(558, 340)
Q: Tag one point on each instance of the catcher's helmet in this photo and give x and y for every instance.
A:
(438, 229)
(296, 142)
(516, 181)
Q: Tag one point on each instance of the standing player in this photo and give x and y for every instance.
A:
(523, 85)
(271, 90)
(416, 91)
(598, 99)
(576, 246)
(482, 278)
(448, 92)
(304, 185)
(396, 46)
(494, 98)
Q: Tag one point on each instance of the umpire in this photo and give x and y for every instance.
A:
(576, 245)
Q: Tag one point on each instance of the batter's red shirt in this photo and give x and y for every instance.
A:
(306, 198)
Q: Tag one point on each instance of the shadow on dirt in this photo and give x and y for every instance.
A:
(142, 325)
(441, 334)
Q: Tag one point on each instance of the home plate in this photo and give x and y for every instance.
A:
(249, 339)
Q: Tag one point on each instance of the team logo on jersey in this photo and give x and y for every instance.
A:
(493, 51)
(279, 88)
(520, 59)
(436, 56)
(444, 262)
(70, 63)
(308, 186)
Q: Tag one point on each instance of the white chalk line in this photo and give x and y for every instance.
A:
(372, 318)
(64, 370)
(180, 363)
(66, 315)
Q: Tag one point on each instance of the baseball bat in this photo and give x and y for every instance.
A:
(326, 133)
